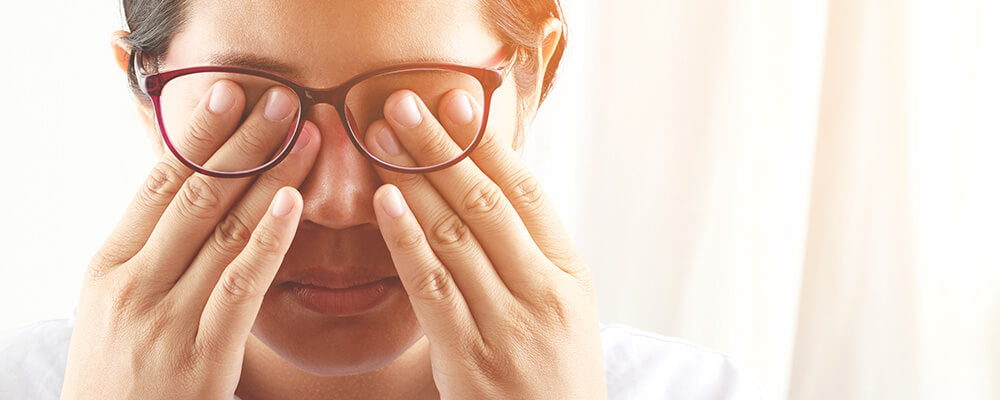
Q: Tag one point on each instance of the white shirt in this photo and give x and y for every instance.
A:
(638, 365)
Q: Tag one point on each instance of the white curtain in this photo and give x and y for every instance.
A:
(810, 186)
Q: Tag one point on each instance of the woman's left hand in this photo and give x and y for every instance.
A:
(497, 286)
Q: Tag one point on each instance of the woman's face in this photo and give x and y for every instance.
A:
(322, 44)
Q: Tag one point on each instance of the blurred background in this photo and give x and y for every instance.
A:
(809, 186)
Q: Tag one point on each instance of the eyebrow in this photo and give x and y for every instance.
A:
(274, 65)
(252, 61)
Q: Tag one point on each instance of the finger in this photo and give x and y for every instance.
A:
(203, 200)
(210, 123)
(437, 302)
(235, 300)
(167, 176)
(498, 160)
(473, 196)
(232, 235)
(448, 236)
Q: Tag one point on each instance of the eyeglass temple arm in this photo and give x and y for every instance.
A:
(136, 63)
(149, 84)
(508, 65)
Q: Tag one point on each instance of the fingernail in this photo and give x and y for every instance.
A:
(279, 105)
(304, 137)
(406, 112)
(392, 202)
(460, 109)
(221, 99)
(282, 203)
(387, 141)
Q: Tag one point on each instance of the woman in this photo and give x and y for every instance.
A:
(376, 238)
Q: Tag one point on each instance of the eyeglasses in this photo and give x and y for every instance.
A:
(262, 141)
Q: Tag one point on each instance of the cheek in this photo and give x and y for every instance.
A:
(156, 140)
(148, 119)
(504, 120)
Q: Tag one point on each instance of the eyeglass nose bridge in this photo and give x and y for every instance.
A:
(335, 96)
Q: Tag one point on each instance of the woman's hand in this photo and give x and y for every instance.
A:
(498, 287)
(168, 301)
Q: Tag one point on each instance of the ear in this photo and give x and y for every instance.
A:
(550, 32)
(121, 49)
(122, 52)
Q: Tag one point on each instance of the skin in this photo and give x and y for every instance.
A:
(181, 301)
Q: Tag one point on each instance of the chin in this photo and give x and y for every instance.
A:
(337, 345)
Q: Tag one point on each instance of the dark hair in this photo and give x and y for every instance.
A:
(153, 23)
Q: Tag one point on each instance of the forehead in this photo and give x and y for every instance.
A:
(334, 39)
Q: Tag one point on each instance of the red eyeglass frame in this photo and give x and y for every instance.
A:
(490, 78)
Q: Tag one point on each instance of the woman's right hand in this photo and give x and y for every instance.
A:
(168, 301)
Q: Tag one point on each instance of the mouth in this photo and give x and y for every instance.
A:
(340, 296)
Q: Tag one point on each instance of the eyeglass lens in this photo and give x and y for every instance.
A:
(366, 101)
(240, 139)
(259, 134)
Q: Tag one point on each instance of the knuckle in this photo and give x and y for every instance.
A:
(254, 139)
(566, 259)
(96, 272)
(120, 301)
(523, 330)
(237, 285)
(189, 365)
(407, 180)
(493, 366)
(435, 285)
(526, 193)
(233, 233)
(484, 200)
(116, 249)
(434, 145)
(199, 198)
(101, 264)
(554, 305)
(409, 242)
(199, 133)
(450, 231)
(159, 321)
(265, 241)
(125, 301)
(162, 183)
(491, 146)
(274, 179)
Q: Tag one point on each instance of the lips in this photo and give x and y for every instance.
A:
(337, 272)
(340, 295)
(335, 279)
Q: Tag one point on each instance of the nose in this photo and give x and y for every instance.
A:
(338, 191)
